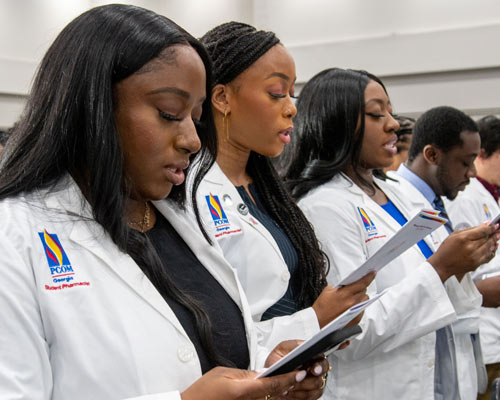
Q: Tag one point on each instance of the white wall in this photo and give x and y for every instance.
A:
(428, 52)
(28, 27)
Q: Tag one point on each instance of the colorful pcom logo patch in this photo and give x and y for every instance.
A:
(487, 211)
(217, 213)
(56, 256)
(367, 222)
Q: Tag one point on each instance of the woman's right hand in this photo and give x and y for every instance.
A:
(233, 384)
(334, 301)
(463, 251)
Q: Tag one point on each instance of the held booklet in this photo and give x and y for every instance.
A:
(421, 225)
(328, 338)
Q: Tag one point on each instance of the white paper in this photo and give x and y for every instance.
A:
(421, 225)
(495, 220)
(338, 323)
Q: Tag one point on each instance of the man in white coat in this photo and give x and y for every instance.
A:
(475, 205)
(440, 163)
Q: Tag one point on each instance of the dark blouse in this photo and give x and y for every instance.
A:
(287, 304)
(189, 275)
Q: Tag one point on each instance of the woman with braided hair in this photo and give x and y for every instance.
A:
(245, 208)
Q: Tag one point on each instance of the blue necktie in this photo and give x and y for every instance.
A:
(439, 205)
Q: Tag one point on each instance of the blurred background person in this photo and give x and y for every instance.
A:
(404, 141)
(475, 205)
(4, 135)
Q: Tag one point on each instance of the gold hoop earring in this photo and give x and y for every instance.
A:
(225, 125)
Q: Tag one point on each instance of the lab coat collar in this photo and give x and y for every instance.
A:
(216, 176)
(413, 196)
(66, 197)
(414, 201)
(345, 183)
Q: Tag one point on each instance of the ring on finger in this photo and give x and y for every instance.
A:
(323, 378)
(268, 397)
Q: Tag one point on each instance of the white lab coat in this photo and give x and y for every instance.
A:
(394, 356)
(472, 207)
(256, 257)
(106, 333)
(470, 364)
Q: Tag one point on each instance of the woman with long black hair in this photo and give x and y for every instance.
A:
(346, 135)
(108, 291)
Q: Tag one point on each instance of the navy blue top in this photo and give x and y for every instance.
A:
(400, 218)
(287, 304)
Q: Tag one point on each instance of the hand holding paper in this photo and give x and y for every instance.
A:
(464, 251)
(328, 338)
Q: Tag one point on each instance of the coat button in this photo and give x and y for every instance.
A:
(242, 209)
(430, 363)
(185, 353)
(285, 276)
(227, 200)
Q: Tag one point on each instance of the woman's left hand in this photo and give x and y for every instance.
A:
(313, 384)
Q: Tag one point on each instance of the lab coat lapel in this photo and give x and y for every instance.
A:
(409, 198)
(218, 177)
(185, 224)
(383, 219)
(90, 235)
(186, 227)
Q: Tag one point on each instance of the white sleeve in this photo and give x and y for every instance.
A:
(412, 308)
(465, 210)
(159, 396)
(298, 326)
(25, 370)
(467, 301)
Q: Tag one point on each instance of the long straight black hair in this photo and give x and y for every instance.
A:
(68, 126)
(329, 129)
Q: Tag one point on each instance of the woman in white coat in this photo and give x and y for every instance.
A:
(107, 295)
(243, 204)
(346, 133)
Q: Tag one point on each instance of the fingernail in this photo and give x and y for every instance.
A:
(291, 388)
(301, 375)
(498, 235)
(285, 393)
(318, 370)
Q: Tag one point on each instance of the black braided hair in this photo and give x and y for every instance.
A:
(310, 279)
(234, 47)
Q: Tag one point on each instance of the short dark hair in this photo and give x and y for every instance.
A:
(489, 130)
(441, 127)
